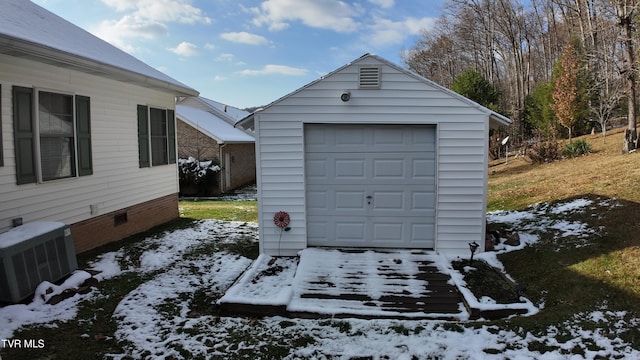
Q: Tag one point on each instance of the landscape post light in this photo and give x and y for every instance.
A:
(473, 246)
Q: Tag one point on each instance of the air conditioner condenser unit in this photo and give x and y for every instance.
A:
(32, 253)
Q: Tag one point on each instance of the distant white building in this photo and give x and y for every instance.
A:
(372, 155)
(87, 131)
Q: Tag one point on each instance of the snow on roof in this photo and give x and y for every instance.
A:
(211, 124)
(232, 112)
(27, 29)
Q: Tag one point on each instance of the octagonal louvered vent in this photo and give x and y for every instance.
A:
(369, 77)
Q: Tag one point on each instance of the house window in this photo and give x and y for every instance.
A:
(55, 118)
(156, 136)
(52, 133)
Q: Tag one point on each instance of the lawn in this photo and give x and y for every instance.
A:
(219, 209)
(581, 267)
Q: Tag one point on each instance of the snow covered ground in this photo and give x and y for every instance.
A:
(160, 318)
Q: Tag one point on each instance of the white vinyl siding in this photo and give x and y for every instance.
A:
(117, 181)
(461, 150)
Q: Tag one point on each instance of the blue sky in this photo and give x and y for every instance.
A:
(250, 53)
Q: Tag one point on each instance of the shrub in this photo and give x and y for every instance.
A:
(544, 151)
(199, 174)
(577, 148)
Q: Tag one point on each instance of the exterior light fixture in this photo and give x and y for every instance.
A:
(473, 246)
(345, 96)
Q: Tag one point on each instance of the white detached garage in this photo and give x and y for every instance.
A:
(372, 156)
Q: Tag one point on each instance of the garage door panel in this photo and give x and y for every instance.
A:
(422, 233)
(349, 168)
(388, 232)
(389, 168)
(316, 168)
(318, 231)
(349, 200)
(350, 230)
(389, 136)
(317, 200)
(349, 137)
(388, 200)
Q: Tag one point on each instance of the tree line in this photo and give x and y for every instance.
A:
(556, 67)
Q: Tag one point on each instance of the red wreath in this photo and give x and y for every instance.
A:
(281, 219)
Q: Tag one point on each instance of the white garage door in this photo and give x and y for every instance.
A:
(370, 185)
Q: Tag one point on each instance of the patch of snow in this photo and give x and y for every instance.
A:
(107, 265)
(151, 326)
(267, 282)
(571, 206)
(13, 317)
(543, 218)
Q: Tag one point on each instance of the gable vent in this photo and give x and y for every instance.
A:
(369, 78)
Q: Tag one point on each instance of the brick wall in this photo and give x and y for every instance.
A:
(103, 229)
(192, 142)
(243, 164)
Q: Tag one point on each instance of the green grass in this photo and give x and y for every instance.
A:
(566, 278)
(221, 210)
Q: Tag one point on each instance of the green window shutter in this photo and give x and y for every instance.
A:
(171, 135)
(23, 135)
(1, 143)
(143, 136)
(83, 133)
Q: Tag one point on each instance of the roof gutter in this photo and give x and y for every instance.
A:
(26, 49)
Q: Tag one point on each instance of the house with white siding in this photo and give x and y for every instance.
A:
(206, 132)
(372, 155)
(87, 131)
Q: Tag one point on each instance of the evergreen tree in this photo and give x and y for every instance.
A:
(471, 84)
(538, 113)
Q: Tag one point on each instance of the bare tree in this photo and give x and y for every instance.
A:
(515, 44)
(623, 13)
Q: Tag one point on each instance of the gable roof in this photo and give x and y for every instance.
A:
(29, 31)
(201, 114)
(500, 119)
(227, 112)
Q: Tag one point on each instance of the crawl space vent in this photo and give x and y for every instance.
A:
(369, 77)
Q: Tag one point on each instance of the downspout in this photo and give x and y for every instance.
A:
(223, 170)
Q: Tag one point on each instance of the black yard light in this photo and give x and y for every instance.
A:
(473, 246)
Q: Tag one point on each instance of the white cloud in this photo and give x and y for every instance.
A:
(245, 38)
(116, 32)
(219, 78)
(386, 32)
(185, 49)
(275, 69)
(386, 4)
(161, 10)
(209, 46)
(328, 14)
(146, 19)
(225, 58)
